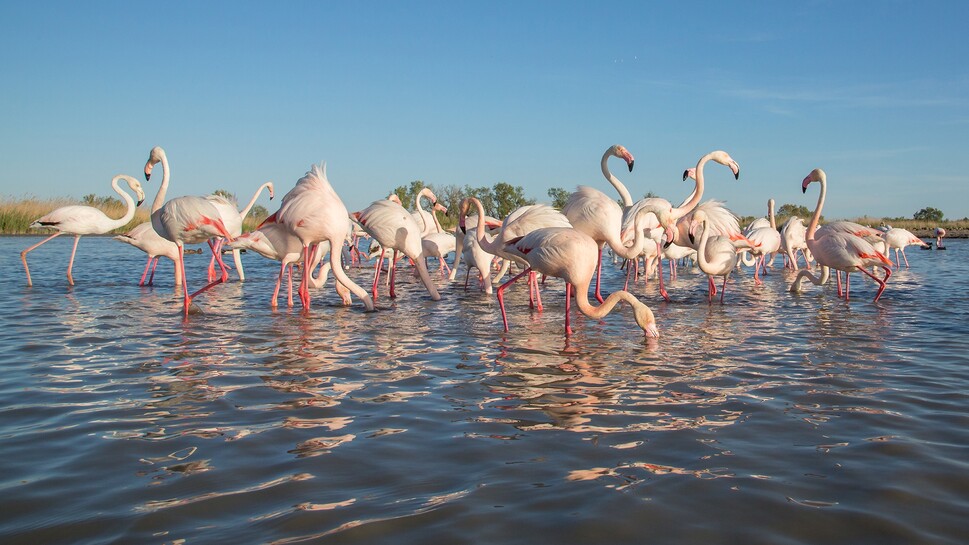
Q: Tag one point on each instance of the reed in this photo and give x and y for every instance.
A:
(17, 215)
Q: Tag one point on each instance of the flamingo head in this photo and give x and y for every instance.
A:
(135, 186)
(725, 159)
(269, 186)
(816, 175)
(440, 207)
(393, 197)
(647, 321)
(623, 153)
(463, 210)
(689, 174)
(699, 218)
(154, 157)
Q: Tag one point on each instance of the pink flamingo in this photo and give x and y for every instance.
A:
(81, 220)
(838, 250)
(897, 239)
(595, 214)
(767, 240)
(716, 255)
(313, 212)
(427, 220)
(939, 235)
(792, 239)
(394, 228)
(571, 255)
(232, 219)
(143, 236)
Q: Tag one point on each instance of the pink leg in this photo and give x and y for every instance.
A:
(70, 264)
(599, 275)
(279, 281)
(376, 273)
(213, 283)
(304, 286)
(151, 277)
(23, 255)
(723, 288)
(187, 302)
(712, 289)
(145, 273)
(659, 271)
(393, 275)
(881, 282)
(839, 283)
(501, 295)
(289, 276)
(905, 257)
(568, 307)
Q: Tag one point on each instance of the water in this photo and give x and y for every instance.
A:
(775, 418)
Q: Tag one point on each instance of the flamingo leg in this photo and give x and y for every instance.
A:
(304, 286)
(905, 258)
(23, 255)
(225, 275)
(501, 295)
(712, 289)
(279, 281)
(70, 264)
(723, 288)
(145, 274)
(881, 282)
(376, 273)
(289, 301)
(659, 271)
(568, 306)
(187, 302)
(599, 275)
(151, 277)
(393, 274)
(533, 278)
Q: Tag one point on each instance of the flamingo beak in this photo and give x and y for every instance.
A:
(139, 203)
(736, 175)
(464, 229)
(631, 163)
(692, 238)
(686, 174)
(148, 172)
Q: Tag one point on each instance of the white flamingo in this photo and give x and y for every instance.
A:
(897, 239)
(232, 218)
(767, 240)
(81, 220)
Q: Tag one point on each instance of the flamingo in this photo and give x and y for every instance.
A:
(274, 241)
(439, 245)
(716, 254)
(143, 236)
(897, 239)
(81, 220)
(427, 220)
(595, 214)
(939, 235)
(838, 250)
(313, 212)
(767, 240)
(232, 219)
(571, 255)
(792, 239)
(394, 228)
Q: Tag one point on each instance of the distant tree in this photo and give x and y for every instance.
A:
(485, 195)
(231, 197)
(929, 214)
(258, 212)
(450, 196)
(101, 202)
(559, 197)
(787, 210)
(408, 193)
(508, 198)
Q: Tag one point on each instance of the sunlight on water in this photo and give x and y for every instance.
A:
(777, 417)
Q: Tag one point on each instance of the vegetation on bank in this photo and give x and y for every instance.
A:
(499, 200)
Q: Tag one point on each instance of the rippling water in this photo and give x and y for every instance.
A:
(776, 418)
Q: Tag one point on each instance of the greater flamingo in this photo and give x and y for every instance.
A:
(766, 240)
(939, 235)
(897, 239)
(424, 219)
(394, 228)
(792, 240)
(838, 250)
(716, 254)
(81, 220)
(313, 212)
(232, 218)
(571, 255)
(143, 236)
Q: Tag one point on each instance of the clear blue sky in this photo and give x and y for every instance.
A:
(529, 93)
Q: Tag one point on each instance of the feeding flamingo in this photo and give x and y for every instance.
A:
(81, 220)
(766, 239)
(716, 254)
(839, 250)
(232, 219)
(897, 239)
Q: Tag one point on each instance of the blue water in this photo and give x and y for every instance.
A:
(774, 418)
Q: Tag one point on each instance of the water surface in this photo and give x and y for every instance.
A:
(775, 418)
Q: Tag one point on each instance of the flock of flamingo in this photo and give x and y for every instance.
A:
(312, 222)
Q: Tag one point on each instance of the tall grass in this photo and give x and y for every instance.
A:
(17, 215)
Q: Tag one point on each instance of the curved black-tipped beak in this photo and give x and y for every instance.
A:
(139, 203)
(803, 189)
(667, 245)
(631, 163)
(692, 240)
(737, 175)
(147, 176)
(686, 174)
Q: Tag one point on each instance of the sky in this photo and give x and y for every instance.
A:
(473, 93)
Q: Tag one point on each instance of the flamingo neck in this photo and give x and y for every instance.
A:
(770, 214)
(598, 312)
(252, 202)
(163, 189)
(701, 249)
(813, 225)
(130, 212)
(627, 199)
(694, 199)
(490, 246)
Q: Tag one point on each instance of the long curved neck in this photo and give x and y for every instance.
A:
(639, 238)
(770, 214)
(701, 249)
(597, 312)
(130, 212)
(255, 197)
(627, 199)
(420, 210)
(817, 211)
(694, 199)
(163, 189)
(490, 246)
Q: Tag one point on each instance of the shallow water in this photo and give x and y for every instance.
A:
(775, 418)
